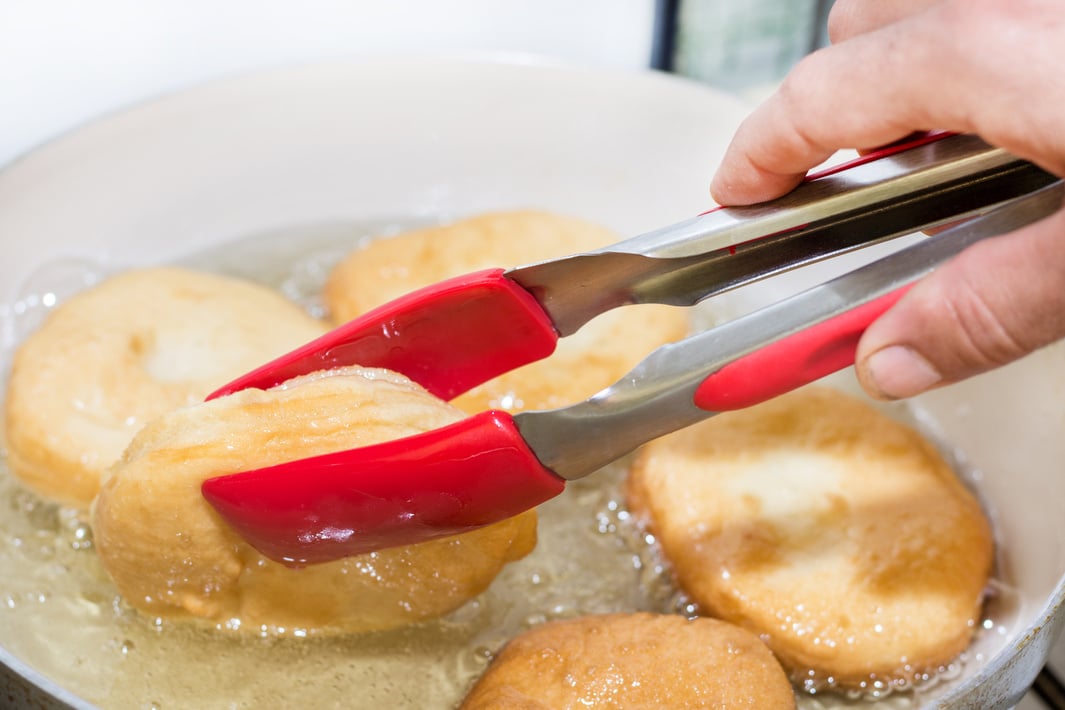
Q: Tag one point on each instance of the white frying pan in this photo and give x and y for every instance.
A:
(416, 140)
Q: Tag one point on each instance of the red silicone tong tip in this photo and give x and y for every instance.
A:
(443, 482)
(447, 337)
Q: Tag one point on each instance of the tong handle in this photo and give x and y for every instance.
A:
(754, 357)
(793, 361)
(898, 190)
(810, 354)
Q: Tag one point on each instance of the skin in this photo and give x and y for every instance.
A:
(989, 67)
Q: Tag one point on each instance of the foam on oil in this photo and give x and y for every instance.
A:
(60, 614)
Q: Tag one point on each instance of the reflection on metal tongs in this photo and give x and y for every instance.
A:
(494, 465)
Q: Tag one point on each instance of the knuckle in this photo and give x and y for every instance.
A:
(983, 338)
(997, 312)
(841, 20)
(799, 92)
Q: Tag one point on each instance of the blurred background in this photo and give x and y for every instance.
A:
(63, 62)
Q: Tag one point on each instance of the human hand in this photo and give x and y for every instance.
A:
(989, 67)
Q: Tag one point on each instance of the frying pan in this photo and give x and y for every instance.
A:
(429, 140)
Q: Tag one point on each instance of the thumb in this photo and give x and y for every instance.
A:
(992, 304)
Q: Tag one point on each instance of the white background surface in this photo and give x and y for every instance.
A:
(63, 62)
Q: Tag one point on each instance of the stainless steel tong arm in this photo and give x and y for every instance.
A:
(657, 397)
(931, 184)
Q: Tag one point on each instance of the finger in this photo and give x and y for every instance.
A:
(808, 119)
(919, 73)
(803, 124)
(994, 303)
(850, 18)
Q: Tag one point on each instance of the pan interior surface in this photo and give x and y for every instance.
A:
(298, 166)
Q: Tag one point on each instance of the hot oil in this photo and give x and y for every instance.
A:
(60, 613)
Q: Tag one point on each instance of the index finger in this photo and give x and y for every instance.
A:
(871, 90)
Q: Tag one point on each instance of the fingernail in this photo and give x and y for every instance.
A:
(898, 372)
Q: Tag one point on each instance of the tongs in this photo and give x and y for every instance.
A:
(454, 335)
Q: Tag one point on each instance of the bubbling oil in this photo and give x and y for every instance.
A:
(60, 614)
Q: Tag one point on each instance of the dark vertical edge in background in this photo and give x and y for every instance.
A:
(1050, 690)
(819, 37)
(664, 41)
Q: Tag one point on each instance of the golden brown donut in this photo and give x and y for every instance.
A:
(637, 660)
(592, 359)
(171, 555)
(139, 344)
(837, 534)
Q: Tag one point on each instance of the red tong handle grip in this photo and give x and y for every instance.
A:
(792, 361)
(915, 141)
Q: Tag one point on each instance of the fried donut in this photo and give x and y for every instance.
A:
(637, 660)
(595, 357)
(139, 344)
(171, 555)
(837, 534)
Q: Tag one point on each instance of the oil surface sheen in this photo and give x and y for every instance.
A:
(60, 614)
